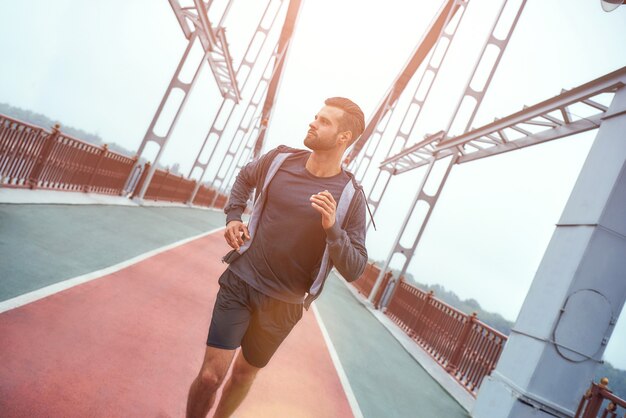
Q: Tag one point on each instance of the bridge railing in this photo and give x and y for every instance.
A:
(205, 196)
(365, 283)
(599, 399)
(465, 347)
(20, 147)
(33, 157)
(166, 186)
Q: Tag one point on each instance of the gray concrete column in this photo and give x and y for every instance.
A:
(576, 296)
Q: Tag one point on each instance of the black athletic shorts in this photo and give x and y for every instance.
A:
(243, 316)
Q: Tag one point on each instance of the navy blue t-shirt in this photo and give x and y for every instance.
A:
(289, 242)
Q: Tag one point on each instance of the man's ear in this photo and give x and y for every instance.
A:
(345, 137)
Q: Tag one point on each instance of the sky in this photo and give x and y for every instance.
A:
(103, 66)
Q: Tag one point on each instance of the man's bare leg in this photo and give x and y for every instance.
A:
(205, 385)
(236, 387)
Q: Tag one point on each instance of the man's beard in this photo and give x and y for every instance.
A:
(309, 141)
(313, 142)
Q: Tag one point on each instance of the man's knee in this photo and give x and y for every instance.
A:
(210, 380)
(214, 368)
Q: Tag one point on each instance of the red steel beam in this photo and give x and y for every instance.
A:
(283, 43)
(400, 83)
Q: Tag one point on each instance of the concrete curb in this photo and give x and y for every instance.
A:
(60, 197)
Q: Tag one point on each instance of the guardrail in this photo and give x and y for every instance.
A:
(165, 186)
(20, 146)
(599, 399)
(365, 283)
(32, 157)
(170, 187)
(204, 197)
(465, 347)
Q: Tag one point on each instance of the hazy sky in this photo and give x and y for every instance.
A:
(103, 66)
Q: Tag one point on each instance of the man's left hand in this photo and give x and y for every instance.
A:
(325, 204)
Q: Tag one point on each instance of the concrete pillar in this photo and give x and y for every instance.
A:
(576, 296)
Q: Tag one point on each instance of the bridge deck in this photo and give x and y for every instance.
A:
(129, 342)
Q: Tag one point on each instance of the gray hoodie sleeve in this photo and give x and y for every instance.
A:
(245, 183)
(347, 246)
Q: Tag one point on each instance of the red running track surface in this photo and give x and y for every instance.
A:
(130, 343)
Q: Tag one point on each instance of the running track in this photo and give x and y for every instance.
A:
(128, 345)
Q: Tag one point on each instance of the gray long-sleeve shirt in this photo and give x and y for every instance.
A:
(344, 243)
(290, 239)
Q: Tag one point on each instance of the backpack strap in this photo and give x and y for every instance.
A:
(340, 214)
(278, 160)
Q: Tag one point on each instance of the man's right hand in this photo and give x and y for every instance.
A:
(235, 234)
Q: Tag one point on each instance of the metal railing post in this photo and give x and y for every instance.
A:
(103, 152)
(417, 330)
(42, 159)
(595, 400)
(455, 358)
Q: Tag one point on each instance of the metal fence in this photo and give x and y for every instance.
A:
(169, 187)
(20, 146)
(166, 186)
(365, 283)
(600, 400)
(32, 157)
(465, 347)
(204, 197)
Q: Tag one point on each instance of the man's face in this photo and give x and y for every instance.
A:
(324, 130)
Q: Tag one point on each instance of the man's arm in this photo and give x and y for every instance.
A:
(346, 246)
(247, 179)
(241, 191)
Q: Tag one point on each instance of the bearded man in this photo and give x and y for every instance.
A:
(308, 217)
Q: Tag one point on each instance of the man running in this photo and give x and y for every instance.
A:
(308, 216)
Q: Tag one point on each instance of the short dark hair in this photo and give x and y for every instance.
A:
(353, 119)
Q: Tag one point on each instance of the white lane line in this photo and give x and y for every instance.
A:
(29, 297)
(343, 378)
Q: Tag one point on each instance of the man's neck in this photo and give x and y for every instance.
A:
(322, 164)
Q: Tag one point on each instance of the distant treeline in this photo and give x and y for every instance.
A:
(45, 122)
(617, 377)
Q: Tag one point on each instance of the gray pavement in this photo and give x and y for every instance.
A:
(44, 244)
(386, 381)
